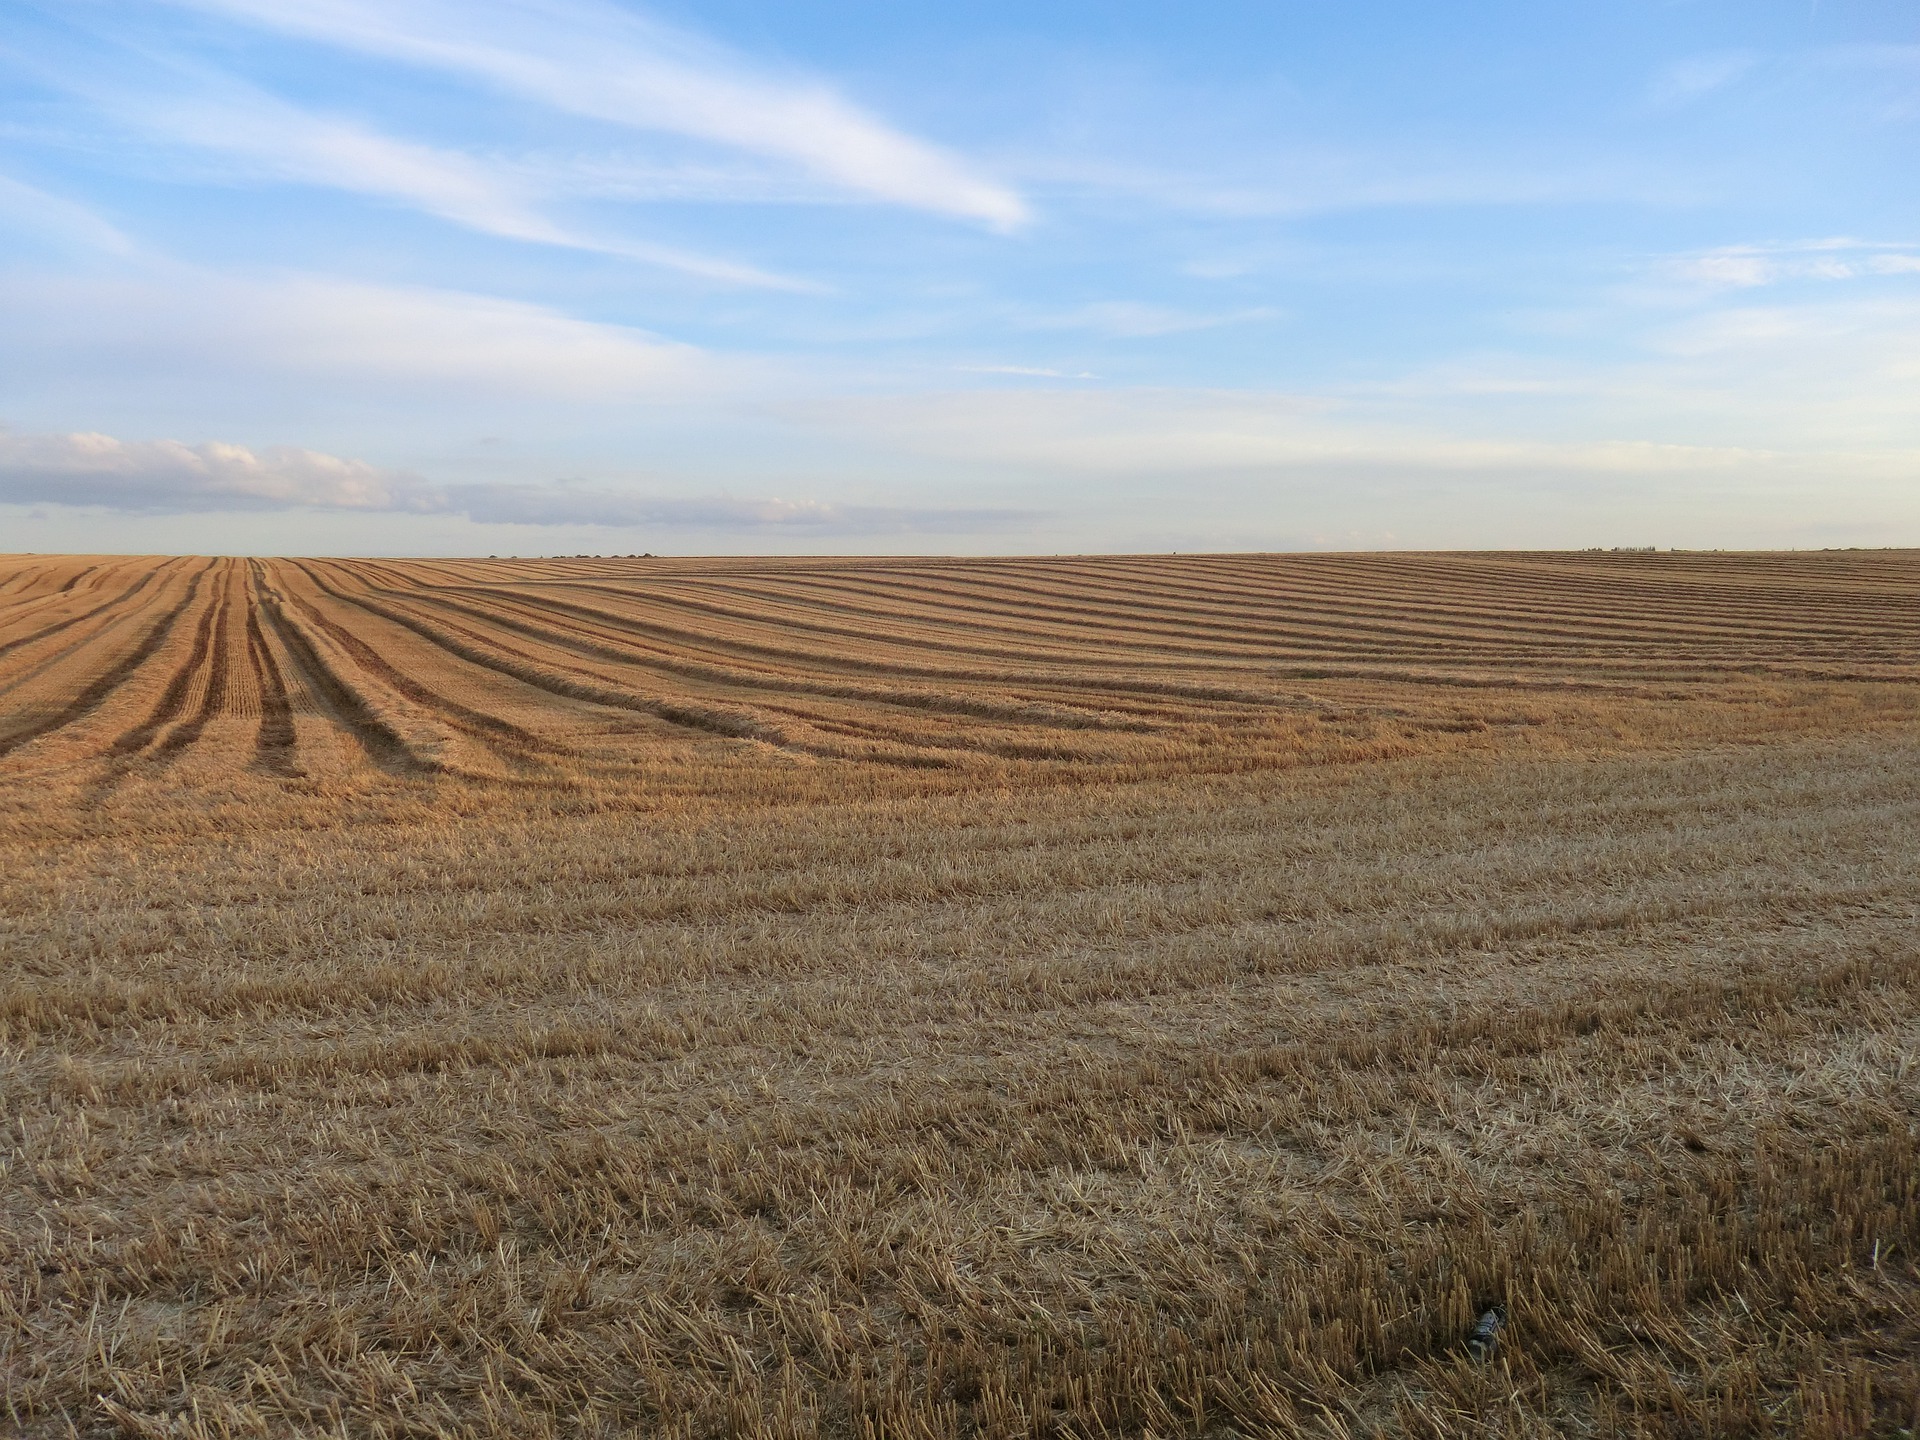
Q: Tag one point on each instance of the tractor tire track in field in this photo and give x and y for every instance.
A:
(504, 734)
(114, 616)
(1056, 667)
(174, 698)
(817, 681)
(1142, 665)
(490, 654)
(346, 706)
(123, 598)
(1042, 671)
(213, 698)
(104, 684)
(276, 742)
(78, 578)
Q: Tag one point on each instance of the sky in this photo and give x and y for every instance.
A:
(533, 277)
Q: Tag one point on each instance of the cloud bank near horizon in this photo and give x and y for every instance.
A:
(172, 477)
(1174, 468)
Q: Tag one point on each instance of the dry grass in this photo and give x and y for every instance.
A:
(1080, 998)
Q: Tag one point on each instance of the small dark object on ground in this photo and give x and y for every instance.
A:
(1484, 1338)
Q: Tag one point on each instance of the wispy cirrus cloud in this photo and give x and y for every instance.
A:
(29, 208)
(286, 142)
(1698, 76)
(1742, 267)
(1889, 56)
(1136, 320)
(254, 135)
(562, 504)
(160, 323)
(606, 63)
(1197, 434)
(1032, 372)
(1298, 178)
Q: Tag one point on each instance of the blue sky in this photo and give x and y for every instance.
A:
(551, 276)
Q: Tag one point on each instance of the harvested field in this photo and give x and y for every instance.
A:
(938, 998)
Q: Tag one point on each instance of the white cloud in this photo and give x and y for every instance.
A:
(1294, 179)
(288, 143)
(171, 477)
(573, 505)
(1038, 372)
(1777, 361)
(1699, 75)
(1744, 267)
(1729, 428)
(1874, 57)
(91, 469)
(725, 180)
(1166, 432)
(26, 207)
(1822, 388)
(1828, 376)
(596, 60)
(1164, 468)
(1134, 320)
(163, 323)
(269, 138)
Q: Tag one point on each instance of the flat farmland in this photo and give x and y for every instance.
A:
(1080, 996)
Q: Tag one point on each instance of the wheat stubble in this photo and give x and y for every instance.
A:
(1096, 996)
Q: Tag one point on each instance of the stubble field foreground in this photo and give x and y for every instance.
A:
(921, 998)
